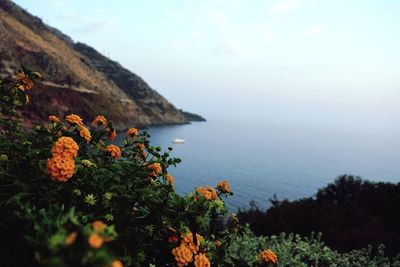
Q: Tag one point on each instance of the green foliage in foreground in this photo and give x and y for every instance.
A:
(297, 251)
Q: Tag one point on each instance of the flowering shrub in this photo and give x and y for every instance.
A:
(70, 198)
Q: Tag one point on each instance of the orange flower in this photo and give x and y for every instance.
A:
(114, 151)
(268, 256)
(28, 83)
(54, 119)
(95, 241)
(155, 168)
(187, 240)
(132, 132)
(217, 243)
(112, 134)
(85, 133)
(66, 147)
(116, 263)
(183, 255)
(208, 192)
(170, 179)
(98, 226)
(74, 119)
(142, 148)
(60, 168)
(99, 120)
(70, 238)
(201, 260)
(224, 187)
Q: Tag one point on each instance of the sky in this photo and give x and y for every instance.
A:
(334, 63)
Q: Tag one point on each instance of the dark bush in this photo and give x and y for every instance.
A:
(351, 213)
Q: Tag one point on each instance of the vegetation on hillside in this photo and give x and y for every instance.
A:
(351, 213)
(69, 197)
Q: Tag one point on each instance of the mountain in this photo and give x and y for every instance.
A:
(76, 77)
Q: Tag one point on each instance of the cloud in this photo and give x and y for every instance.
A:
(313, 31)
(284, 6)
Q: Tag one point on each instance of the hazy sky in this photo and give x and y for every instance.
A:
(327, 62)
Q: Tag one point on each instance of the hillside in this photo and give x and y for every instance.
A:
(77, 78)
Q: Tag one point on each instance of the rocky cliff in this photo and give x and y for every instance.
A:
(77, 78)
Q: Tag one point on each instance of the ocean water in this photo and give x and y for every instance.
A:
(261, 159)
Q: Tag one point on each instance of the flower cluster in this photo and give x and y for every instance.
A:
(25, 83)
(71, 238)
(84, 133)
(207, 192)
(224, 187)
(201, 260)
(170, 179)
(141, 148)
(54, 119)
(74, 119)
(132, 133)
(268, 256)
(187, 249)
(183, 255)
(65, 146)
(61, 166)
(155, 169)
(114, 151)
(99, 120)
(97, 237)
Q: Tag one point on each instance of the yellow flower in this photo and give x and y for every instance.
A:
(65, 146)
(132, 132)
(85, 133)
(88, 164)
(201, 260)
(95, 241)
(60, 168)
(268, 256)
(208, 192)
(114, 151)
(98, 226)
(224, 187)
(70, 238)
(183, 255)
(112, 134)
(74, 119)
(170, 179)
(116, 263)
(54, 119)
(99, 120)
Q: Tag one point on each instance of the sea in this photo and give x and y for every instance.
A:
(263, 160)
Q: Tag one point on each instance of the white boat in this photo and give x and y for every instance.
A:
(178, 141)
